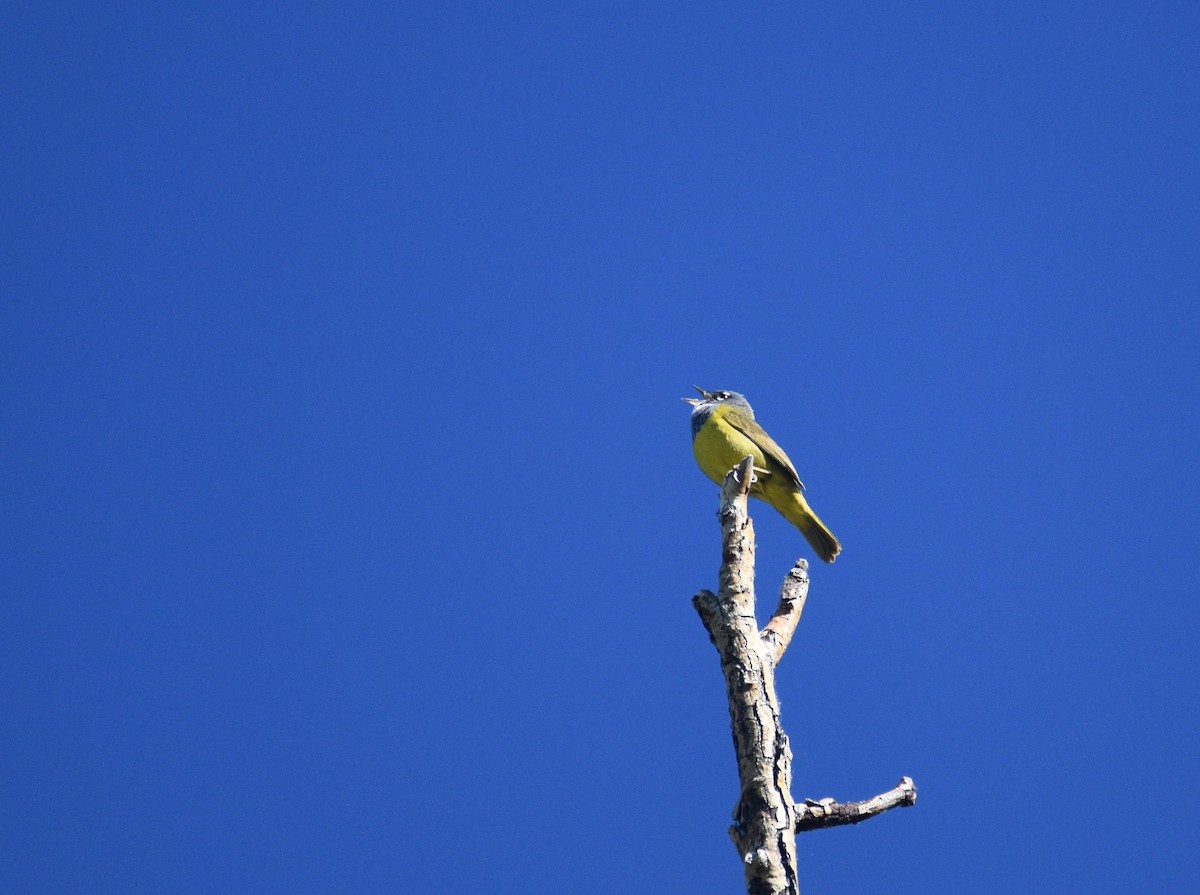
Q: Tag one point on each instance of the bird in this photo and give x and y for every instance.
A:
(724, 432)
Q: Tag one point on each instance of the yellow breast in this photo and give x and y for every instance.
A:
(719, 447)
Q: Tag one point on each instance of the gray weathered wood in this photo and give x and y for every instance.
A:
(766, 818)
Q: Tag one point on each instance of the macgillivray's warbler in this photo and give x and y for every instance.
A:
(724, 433)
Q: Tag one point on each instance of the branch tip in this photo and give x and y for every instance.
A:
(793, 594)
(816, 814)
(738, 480)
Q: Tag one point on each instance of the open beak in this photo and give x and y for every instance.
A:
(695, 401)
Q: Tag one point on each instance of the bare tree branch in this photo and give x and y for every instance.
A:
(792, 596)
(766, 819)
(814, 815)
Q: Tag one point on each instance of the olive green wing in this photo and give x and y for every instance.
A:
(773, 452)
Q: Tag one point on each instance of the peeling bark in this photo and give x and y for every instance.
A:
(766, 818)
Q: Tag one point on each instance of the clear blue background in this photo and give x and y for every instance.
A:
(349, 516)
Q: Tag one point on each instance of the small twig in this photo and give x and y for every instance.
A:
(792, 595)
(814, 815)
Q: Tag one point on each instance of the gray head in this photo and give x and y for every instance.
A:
(708, 402)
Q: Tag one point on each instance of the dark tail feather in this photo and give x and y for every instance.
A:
(819, 537)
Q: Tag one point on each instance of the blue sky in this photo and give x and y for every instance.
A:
(350, 516)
